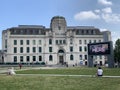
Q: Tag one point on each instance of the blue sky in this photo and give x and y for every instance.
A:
(103, 14)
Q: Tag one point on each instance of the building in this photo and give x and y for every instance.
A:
(59, 44)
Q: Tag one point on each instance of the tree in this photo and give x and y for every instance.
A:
(117, 52)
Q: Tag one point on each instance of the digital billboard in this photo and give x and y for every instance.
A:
(99, 48)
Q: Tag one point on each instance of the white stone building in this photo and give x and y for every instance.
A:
(58, 44)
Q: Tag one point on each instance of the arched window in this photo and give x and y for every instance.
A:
(60, 51)
(71, 57)
(50, 58)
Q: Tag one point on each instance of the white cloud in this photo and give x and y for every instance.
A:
(106, 14)
(103, 29)
(97, 11)
(111, 18)
(84, 15)
(115, 36)
(107, 10)
(105, 2)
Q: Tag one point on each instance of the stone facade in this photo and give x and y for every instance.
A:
(59, 44)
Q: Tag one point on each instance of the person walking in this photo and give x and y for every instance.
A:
(20, 65)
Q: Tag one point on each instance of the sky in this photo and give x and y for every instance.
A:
(102, 14)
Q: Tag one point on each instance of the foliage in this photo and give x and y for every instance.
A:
(117, 51)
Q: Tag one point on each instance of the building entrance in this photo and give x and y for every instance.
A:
(61, 60)
(61, 57)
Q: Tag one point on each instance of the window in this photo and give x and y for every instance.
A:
(90, 41)
(71, 57)
(50, 58)
(92, 32)
(22, 31)
(64, 42)
(85, 48)
(86, 57)
(34, 42)
(87, 32)
(15, 31)
(94, 41)
(99, 40)
(82, 31)
(71, 49)
(31, 31)
(21, 42)
(5, 43)
(27, 42)
(80, 48)
(71, 41)
(28, 50)
(28, 58)
(34, 58)
(40, 58)
(56, 41)
(40, 42)
(40, 49)
(15, 49)
(15, 42)
(50, 41)
(80, 41)
(77, 32)
(95, 57)
(15, 59)
(85, 41)
(50, 49)
(100, 57)
(21, 49)
(21, 58)
(80, 57)
(60, 41)
(34, 49)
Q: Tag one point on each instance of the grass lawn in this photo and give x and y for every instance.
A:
(73, 71)
(57, 83)
(31, 82)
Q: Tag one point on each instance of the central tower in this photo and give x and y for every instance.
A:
(58, 25)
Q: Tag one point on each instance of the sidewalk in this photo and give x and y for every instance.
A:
(61, 75)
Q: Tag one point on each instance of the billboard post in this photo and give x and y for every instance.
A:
(111, 56)
(90, 61)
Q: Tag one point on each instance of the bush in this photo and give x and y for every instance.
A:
(42, 63)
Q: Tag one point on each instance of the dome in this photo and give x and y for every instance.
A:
(57, 17)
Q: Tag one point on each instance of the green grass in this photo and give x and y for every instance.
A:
(73, 71)
(57, 83)
(36, 82)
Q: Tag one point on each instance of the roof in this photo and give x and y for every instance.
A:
(81, 27)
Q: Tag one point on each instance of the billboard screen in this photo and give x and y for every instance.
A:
(99, 48)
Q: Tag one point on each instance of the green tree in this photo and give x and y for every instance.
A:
(117, 52)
